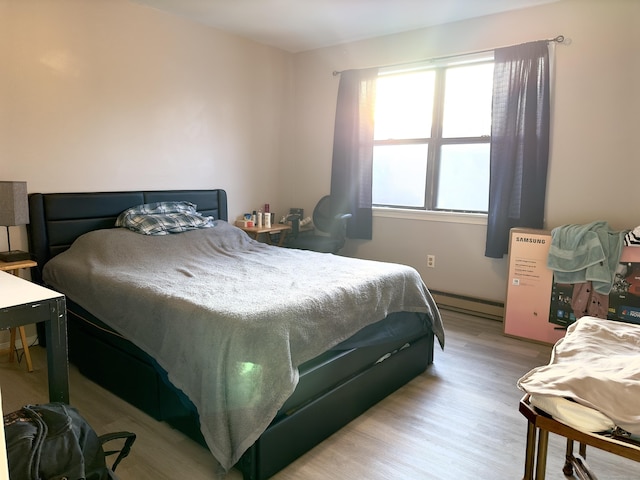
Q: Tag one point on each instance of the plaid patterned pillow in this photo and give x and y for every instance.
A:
(163, 218)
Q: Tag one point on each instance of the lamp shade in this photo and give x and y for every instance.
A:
(14, 204)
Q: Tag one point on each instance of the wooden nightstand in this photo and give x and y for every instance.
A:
(15, 267)
(280, 228)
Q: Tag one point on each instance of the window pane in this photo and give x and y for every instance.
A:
(463, 180)
(404, 105)
(399, 175)
(467, 101)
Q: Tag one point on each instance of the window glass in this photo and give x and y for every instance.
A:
(399, 175)
(404, 105)
(467, 101)
(463, 178)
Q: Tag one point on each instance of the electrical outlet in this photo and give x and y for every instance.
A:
(431, 261)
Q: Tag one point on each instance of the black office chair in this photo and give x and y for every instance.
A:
(330, 229)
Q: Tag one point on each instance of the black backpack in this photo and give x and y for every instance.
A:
(53, 442)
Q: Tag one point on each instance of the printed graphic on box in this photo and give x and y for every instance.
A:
(561, 312)
(624, 299)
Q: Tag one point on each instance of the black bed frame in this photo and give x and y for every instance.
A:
(334, 388)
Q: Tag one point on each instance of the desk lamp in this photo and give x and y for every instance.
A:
(14, 210)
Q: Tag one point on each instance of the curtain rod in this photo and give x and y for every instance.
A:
(558, 39)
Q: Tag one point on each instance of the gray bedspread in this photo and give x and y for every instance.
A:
(230, 319)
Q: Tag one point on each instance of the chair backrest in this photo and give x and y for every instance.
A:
(323, 216)
(330, 229)
(327, 219)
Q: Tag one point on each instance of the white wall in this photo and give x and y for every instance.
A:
(111, 95)
(594, 163)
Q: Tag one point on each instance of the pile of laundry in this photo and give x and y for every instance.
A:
(588, 256)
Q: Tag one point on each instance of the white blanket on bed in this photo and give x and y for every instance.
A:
(230, 319)
(596, 364)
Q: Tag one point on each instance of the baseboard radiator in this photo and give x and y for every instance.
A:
(469, 305)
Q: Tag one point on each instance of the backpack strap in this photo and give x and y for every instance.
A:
(124, 451)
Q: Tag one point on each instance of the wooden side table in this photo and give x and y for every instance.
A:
(280, 228)
(15, 267)
(539, 426)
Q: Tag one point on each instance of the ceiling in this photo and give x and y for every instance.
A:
(300, 25)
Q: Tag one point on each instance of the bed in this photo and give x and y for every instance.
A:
(328, 336)
(587, 393)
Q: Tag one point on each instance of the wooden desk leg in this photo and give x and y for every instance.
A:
(25, 348)
(541, 461)
(23, 338)
(283, 234)
(530, 452)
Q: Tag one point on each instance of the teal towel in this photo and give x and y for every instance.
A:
(585, 253)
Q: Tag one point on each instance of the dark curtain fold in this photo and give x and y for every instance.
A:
(351, 170)
(519, 142)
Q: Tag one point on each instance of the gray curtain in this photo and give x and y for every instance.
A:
(519, 142)
(351, 170)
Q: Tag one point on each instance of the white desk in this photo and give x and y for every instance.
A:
(24, 303)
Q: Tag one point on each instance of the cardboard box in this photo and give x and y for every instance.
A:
(244, 223)
(539, 309)
(529, 287)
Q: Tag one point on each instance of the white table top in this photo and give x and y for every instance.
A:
(18, 291)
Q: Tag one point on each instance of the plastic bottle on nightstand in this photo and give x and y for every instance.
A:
(259, 218)
(267, 215)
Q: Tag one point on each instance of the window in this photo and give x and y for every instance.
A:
(432, 137)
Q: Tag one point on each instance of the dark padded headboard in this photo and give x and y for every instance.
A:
(57, 219)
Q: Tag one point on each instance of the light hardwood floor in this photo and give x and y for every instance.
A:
(458, 420)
